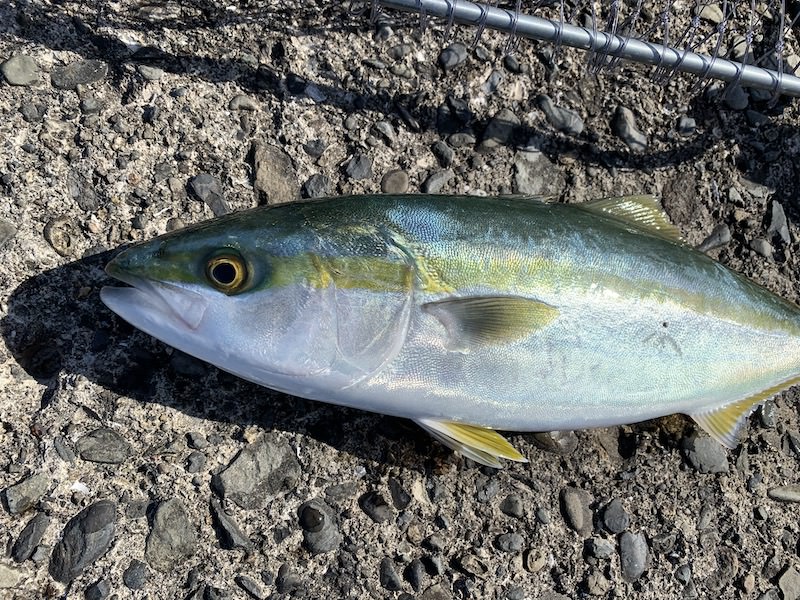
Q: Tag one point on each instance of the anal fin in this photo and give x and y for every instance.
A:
(483, 445)
(724, 423)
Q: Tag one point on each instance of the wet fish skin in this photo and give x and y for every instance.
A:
(470, 314)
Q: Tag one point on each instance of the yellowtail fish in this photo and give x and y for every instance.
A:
(469, 315)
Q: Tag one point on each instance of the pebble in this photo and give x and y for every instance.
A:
(250, 587)
(400, 497)
(534, 560)
(82, 72)
(562, 119)
(512, 506)
(597, 584)
(443, 153)
(389, 578)
(435, 592)
(575, 509)
(511, 63)
(242, 102)
(359, 167)
(601, 547)
(624, 126)
(314, 148)
(150, 73)
(416, 574)
(385, 130)
(789, 584)
(103, 445)
(777, 224)
(228, 531)
(172, 538)
(287, 582)
(197, 440)
(712, 13)
(208, 189)
(375, 506)
(615, 519)
(320, 529)
(85, 538)
(536, 175)
(436, 181)
(30, 537)
(25, 494)
(20, 69)
(633, 555)
(499, 131)
(461, 139)
(686, 125)
(762, 247)
(195, 462)
(7, 231)
(99, 590)
(562, 443)
(258, 473)
(9, 577)
(543, 516)
(274, 175)
(472, 565)
(719, 236)
(62, 234)
(705, 454)
(735, 97)
(785, 493)
(770, 594)
(452, 56)
(395, 182)
(492, 83)
(316, 186)
(510, 542)
(135, 576)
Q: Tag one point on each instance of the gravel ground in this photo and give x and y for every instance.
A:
(132, 470)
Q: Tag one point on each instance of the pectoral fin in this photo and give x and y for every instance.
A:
(642, 212)
(484, 446)
(489, 320)
(723, 424)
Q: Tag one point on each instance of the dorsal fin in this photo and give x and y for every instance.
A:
(724, 423)
(484, 446)
(642, 212)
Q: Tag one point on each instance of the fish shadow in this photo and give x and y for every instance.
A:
(58, 331)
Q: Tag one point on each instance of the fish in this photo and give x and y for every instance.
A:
(469, 315)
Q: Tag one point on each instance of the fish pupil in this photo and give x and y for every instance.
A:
(224, 273)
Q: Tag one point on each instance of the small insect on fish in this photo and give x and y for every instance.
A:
(469, 315)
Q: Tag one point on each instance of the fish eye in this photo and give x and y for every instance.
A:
(227, 272)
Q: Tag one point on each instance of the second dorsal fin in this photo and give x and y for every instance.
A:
(642, 212)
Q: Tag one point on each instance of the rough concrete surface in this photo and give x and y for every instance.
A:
(130, 470)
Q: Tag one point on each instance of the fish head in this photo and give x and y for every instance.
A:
(255, 293)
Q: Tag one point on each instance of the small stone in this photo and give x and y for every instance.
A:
(172, 538)
(499, 131)
(615, 519)
(274, 175)
(20, 69)
(601, 548)
(705, 454)
(359, 167)
(461, 139)
(686, 125)
(511, 63)
(25, 494)
(719, 236)
(510, 542)
(472, 565)
(770, 594)
(575, 508)
(515, 593)
(533, 560)
(762, 247)
(435, 592)
(320, 530)
(135, 576)
(542, 516)
(789, 584)
(316, 186)
(562, 443)
(513, 506)
(443, 153)
(287, 582)
(536, 175)
(208, 189)
(624, 127)
(314, 148)
(777, 224)
(195, 462)
(400, 497)
(150, 73)
(230, 536)
(197, 440)
(86, 537)
(395, 182)
(597, 584)
(250, 587)
(30, 537)
(9, 578)
(416, 574)
(785, 493)
(735, 97)
(258, 474)
(242, 102)
(712, 13)
(375, 506)
(385, 130)
(62, 234)
(82, 72)
(103, 446)
(99, 590)
(436, 181)
(452, 56)
(7, 231)
(633, 555)
(389, 578)
(563, 119)
(492, 83)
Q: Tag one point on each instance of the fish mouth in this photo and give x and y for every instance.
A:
(149, 304)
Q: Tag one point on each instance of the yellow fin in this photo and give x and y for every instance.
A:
(642, 212)
(487, 320)
(484, 446)
(723, 424)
